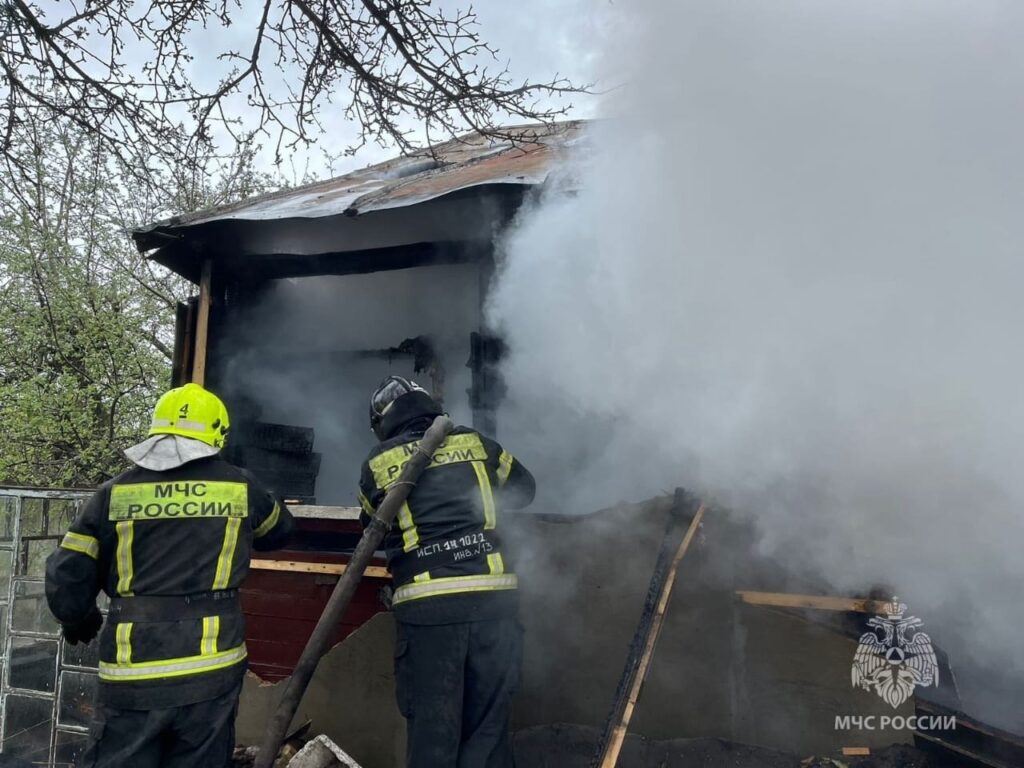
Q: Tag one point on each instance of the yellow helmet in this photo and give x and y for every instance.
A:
(191, 411)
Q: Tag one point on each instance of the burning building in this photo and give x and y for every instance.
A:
(307, 297)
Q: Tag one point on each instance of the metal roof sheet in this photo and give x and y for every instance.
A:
(468, 161)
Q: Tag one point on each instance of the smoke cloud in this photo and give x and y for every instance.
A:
(306, 354)
(786, 273)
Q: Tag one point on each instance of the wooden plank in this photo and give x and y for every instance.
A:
(333, 569)
(202, 325)
(818, 602)
(317, 512)
(185, 346)
(646, 637)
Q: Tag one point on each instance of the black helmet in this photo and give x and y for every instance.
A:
(387, 392)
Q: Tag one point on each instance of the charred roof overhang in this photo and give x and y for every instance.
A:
(456, 228)
(405, 212)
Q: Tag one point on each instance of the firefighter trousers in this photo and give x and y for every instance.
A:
(200, 735)
(454, 684)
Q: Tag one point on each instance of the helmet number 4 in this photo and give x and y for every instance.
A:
(183, 411)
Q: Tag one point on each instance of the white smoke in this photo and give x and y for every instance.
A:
(299, 353)
(791, 278)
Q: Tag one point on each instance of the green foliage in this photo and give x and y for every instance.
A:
(86, 323)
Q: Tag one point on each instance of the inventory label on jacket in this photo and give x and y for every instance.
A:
(180, 500)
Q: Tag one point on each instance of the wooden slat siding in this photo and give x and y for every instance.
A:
(262, 610)
(295, 632)
(282, 607)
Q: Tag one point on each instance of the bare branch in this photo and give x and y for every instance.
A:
(388, 65)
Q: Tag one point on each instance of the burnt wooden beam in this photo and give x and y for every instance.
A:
(684, 521)
(817, 602)
(275, 266)
(184, 325)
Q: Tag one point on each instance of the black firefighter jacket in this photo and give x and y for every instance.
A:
(445, 552)
(176, 546)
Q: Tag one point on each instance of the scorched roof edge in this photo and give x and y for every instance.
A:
(467, 161)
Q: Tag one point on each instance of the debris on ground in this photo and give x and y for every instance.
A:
(321, 752)
(245, 757)
(573, 746)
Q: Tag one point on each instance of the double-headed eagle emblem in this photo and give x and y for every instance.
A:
(894, 658)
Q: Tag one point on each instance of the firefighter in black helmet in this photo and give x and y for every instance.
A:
(169, 542)
(459, 642)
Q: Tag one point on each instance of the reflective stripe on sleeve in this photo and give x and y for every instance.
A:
(125, 536)
(452, 585)
(155, 670)
(365, 503)
(496, 563)
(486, 495)
(265, 527)
(79, 542)
(227, 553)
(504, 467)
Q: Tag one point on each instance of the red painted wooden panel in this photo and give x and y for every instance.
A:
(282, 607)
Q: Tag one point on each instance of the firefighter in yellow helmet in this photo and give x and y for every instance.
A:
(169, 541)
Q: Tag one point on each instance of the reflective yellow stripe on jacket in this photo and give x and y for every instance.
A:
(410, 536)
(450, 585)
(267, 525)
(486, 496)
(80, 542)
(227, 553)
(125, 568)
(154, 670)
(504, 467)
(211, 629)
(123, 642)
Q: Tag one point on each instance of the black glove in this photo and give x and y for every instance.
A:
(86, 629)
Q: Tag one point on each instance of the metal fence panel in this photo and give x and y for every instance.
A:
(46, 687)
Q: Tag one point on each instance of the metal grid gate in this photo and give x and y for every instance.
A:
(46, 686)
